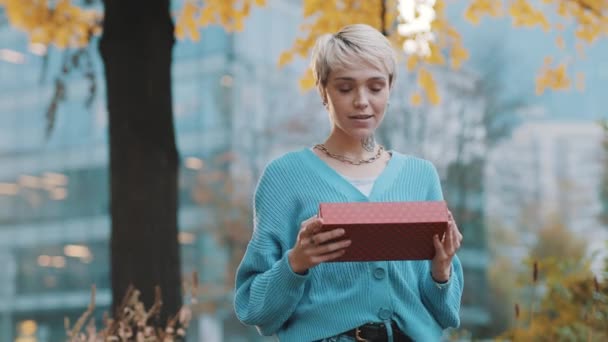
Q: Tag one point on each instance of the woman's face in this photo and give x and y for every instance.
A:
(356, 100)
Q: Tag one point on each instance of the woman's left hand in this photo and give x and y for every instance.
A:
(445, 249)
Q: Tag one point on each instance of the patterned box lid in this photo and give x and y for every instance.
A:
(383, 212)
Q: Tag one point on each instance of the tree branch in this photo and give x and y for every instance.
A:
(383, 18)
(588, 7)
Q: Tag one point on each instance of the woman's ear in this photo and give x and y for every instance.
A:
(323, 94)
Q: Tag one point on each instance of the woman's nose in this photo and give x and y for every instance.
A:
(361, 100)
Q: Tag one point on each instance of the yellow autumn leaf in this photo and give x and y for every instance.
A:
(451, 32)
(458, 54)
(562, 8)
(189, 10)
(195, 34)
(479, 8)
(433, 96)
(435, 57)
(471, 16)
(285, 58)
(526, 15)
(205, 16)
(416, 99)
(587, 34)
(246, 9)
(560, 78)
(412, 62)
(427, 83)
(179, 32)
(542, 19)
(40, 37)
(440, 6)
(307, 82)
(309, 7)
(239, 25)
(556, 79)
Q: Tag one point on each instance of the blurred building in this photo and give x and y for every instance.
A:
(54, 224)
(549, 169)
(453, 135)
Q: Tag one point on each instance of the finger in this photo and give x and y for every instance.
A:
(328, 257)
(460, 237)
(314, 225)
(455, 238)
(331, 247)
(306, 241)
(448, 241)
(307, 237)
(305, 223)
(457, 235)
(311, 221)
(439, 250)
(452, 221)
(311, 241)
(323, 237)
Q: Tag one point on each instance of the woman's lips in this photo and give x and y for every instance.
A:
(361, 117)
(361, 120)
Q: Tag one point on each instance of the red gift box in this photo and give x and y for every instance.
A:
(387, 230)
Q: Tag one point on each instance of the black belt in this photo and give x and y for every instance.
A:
(376, 332)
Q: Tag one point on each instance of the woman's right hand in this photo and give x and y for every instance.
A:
(314, 246)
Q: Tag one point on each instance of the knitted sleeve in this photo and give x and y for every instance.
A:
(442, 299)
(267, 289)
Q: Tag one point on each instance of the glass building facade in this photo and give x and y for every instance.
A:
(54, 200)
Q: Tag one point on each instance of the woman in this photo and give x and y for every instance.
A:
(285, 285)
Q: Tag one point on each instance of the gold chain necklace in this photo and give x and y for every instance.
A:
(346, 160)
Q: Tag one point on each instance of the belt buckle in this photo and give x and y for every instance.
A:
(358, 337)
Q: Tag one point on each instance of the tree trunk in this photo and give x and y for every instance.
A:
(136, 48)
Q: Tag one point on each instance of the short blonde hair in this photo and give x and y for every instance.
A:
(348, 48)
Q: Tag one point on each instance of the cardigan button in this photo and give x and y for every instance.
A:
(384, 314)
(379, 273)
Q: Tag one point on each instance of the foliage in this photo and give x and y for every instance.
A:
(591, 23)
(328, 16)
(555, 296)
(60, 23)
(132, 322)
(230, 14)
(565, 303)
(555, 240)
(560, 258)
(64, 24)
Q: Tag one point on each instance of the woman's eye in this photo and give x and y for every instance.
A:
(344, 90)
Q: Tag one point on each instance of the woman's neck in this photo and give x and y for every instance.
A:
(348, 147)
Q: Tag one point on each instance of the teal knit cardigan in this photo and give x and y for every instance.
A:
(334, 297)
